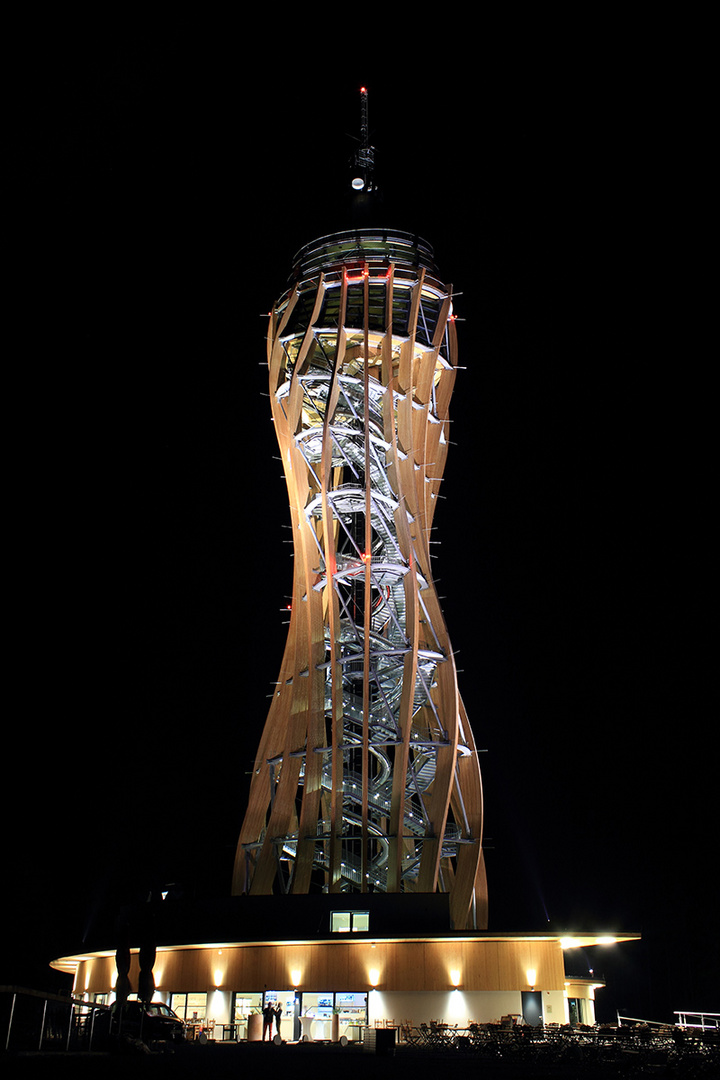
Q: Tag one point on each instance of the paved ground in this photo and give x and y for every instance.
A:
(308, 1062)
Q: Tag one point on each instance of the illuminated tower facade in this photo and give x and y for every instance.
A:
(366, 778)
(367, 775)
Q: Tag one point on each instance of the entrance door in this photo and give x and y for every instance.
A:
(532, 1007)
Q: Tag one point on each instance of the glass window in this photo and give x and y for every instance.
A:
(157, 1008)
(342, 922)
(189, 1006)
(352, 1009)
(318, 1009)
(245, 1004)
(283, 998)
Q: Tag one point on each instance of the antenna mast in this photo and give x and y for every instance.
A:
(365, 156)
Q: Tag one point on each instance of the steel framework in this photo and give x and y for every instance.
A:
(367, 775)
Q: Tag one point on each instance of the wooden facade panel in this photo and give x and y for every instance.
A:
(406, 966)
(480, 966)
(441, 958)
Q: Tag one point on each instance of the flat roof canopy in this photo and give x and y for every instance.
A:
(566, 939)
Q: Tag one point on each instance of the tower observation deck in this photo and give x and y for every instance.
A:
(366, 776)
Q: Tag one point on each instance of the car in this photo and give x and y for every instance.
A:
(150, 1022)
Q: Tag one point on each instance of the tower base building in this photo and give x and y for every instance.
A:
(369, 960)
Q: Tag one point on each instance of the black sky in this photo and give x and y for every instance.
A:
(168, 175)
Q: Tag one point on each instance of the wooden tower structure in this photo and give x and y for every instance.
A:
(366, 776)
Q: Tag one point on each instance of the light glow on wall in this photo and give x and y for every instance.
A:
(296, 976)
(458, 1006)
(374, 976)
(531, 975)
(219, 972)
(455, 977)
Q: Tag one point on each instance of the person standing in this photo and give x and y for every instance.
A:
(268, 1017)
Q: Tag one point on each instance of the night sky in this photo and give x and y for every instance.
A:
(167, 177)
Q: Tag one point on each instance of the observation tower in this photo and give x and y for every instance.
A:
(366, 778)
